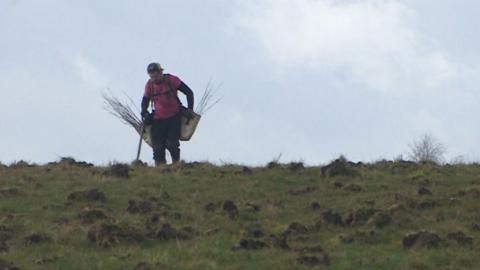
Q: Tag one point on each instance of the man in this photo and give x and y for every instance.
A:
(161, 90)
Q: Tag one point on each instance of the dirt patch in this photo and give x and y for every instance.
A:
(118, 170)
(333, 218)
(89, 216)
(249, 244)
(353, 188)
(155, 218)
(380, 219)
(168, 232)
(424, 191)
(147, 206)
(296, 228)
(360, 216)
(230, 208)
(461, 239)
(313, 261)
(68, 161)
(423, 239)
(338, 167)
(273, 165)
(338, 184)
(254, 230)
(212, 207)
(315, 206)
(244, 171)
(92, 195)
(9, 192)
(108, 234)
(296, 166)
(37, 238)
(21, 165)
(256, 233)
(195, 164)
(302, 191)
(139, 164)
(4, 265)
(142, 207)
(164, 217)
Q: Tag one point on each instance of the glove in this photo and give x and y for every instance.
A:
(144, 114)
(190, 114)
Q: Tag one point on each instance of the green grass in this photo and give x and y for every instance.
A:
(34, 200)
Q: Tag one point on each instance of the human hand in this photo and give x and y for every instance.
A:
(144, 114)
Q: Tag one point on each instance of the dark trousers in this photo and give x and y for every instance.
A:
(166, 135)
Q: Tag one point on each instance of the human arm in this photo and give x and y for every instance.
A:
(145, 101)
(187, 92)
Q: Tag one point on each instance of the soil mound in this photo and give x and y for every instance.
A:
(380, 220)
(314, 260)
(230, 208)
(92, 195)
(118, 170)
(89, 216)
(249, 244)
(108, 234)
(423, 239)
(167, 232)
(338, 167)
(37, 238)
(331, 217)
(302, 191)
(360, 216)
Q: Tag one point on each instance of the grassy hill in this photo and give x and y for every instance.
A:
(386, 215)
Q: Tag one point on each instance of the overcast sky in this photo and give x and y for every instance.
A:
(304, 79)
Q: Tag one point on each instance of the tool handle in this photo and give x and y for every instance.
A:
(140, 141)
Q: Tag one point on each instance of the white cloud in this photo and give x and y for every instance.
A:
(374, 42)
(88, 72)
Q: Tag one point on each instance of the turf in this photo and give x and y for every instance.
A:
(384, 215)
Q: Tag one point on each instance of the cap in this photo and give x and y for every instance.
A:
(152, 67)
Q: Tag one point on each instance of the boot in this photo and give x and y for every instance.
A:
(160, 162)
(175, 154)
(159, 156)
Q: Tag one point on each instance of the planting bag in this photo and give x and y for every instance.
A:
(189, 123)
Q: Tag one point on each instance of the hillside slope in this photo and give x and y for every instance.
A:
(387, 215)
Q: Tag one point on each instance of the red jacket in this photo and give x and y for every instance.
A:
(165, 98)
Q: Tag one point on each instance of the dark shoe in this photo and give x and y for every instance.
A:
(160, 162)
(159, 155)
(175, 154)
